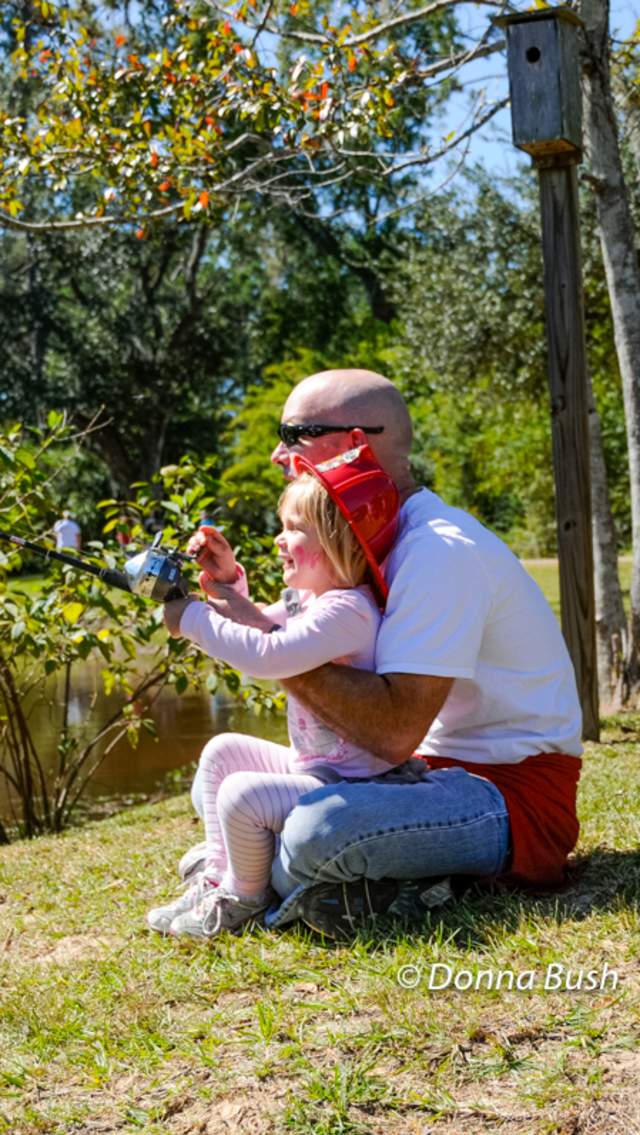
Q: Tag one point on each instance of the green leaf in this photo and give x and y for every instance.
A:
(26, 458)
(72, 611)
(171, 506)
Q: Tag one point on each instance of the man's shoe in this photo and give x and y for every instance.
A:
(339, 910)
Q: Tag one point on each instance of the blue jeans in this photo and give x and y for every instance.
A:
(410, 823)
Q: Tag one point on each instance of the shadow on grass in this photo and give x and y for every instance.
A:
(598, 881)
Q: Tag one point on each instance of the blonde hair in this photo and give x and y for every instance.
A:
(312, 503)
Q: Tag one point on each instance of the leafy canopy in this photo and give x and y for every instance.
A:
(105, 118)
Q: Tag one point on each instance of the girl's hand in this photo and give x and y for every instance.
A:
(173, 612)
(236, 607)
(214, 554)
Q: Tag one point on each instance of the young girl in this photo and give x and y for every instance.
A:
(339, 521)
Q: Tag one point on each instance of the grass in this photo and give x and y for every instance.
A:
(28, 584)
(107, 1028)
(545, 573)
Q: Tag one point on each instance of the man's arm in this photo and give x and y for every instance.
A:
(389, 714)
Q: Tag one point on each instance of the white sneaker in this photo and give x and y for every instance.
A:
(192, 861)
(161, 917)
(218, 911)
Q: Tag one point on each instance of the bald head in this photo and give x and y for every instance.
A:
(358, 398)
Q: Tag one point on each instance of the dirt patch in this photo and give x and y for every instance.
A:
(75, 948)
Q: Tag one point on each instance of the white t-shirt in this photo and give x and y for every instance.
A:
(462, 606)
(67, 532)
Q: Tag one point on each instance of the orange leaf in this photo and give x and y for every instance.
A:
(120, 39)
(154, 158)
(209, 120)
(226, 28)
(140, 234)
(204, 199)
(352, 64)
(165, 186)
(44, 55)
(237, 47)
(324, 90)
(293, 10)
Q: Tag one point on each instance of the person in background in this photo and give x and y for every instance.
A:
(68, 534)
(123, 530)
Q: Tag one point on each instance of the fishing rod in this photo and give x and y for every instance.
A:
(154, 573)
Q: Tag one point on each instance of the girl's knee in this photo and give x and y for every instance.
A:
(217, 748)
(316, 826)
(236, 789)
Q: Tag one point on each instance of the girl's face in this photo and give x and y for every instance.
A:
(304, 563)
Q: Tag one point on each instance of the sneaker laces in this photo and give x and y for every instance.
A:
(212, 916)
(213, 907)
(203, 885)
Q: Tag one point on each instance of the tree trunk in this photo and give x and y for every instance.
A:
(617, 238)
(627, 98)
(611, 622)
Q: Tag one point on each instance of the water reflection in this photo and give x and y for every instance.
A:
(183, 723)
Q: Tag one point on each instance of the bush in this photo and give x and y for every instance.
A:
(73, 617)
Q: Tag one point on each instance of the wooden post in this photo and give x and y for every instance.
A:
(544, 80)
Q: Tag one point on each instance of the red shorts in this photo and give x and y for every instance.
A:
(540, 794)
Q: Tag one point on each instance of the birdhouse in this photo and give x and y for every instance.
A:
(544, 81)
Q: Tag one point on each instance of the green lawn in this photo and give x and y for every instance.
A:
(545, 573)
(28, 584)
(105, 1027)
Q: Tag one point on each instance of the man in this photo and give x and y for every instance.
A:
(67, 532)
(471, 673)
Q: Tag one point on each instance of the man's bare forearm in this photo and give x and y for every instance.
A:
(388, 714)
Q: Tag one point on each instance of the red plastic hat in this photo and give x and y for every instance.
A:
(368, 500)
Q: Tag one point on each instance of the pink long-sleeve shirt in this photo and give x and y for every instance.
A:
(339, 625)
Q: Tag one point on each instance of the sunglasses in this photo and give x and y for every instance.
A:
(290, 433)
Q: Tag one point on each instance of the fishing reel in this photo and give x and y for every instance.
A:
(155, 573)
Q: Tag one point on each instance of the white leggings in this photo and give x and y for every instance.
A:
(247, 792)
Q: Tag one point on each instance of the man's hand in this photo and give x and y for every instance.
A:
(214, 555)
(388, 714)
(227, 602)
(173, 612)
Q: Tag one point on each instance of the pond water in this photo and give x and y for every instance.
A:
(183, 723)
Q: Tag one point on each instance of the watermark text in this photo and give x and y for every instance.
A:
(555, 976)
